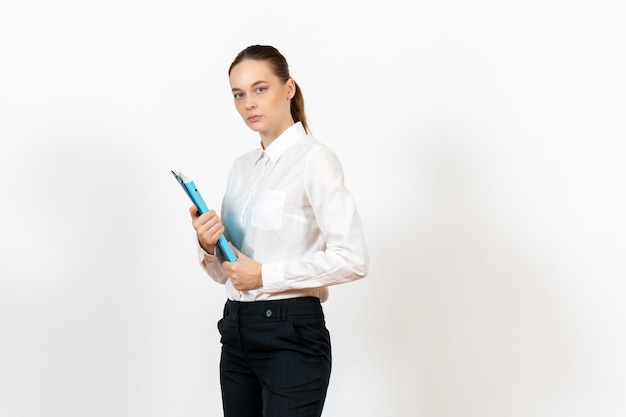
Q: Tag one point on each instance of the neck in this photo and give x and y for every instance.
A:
(268, 137)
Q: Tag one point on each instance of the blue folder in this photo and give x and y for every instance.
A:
(192, 191)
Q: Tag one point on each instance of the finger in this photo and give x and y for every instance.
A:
(204, 221)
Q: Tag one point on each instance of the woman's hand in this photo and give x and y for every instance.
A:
(208, 227)
(245, 273)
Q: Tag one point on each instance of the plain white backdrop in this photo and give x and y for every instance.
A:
(483, 142)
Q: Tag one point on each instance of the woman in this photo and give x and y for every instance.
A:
(295, 230)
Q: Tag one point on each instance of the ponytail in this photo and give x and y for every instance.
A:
(297, 108)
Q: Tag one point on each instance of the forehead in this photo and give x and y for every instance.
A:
(250, 71)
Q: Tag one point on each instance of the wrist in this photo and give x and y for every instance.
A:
(209, 249)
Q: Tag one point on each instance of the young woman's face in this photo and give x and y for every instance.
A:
(261, 98)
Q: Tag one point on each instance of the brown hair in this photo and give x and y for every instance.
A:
(279, 66)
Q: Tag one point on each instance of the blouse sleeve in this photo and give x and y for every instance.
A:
(212, 264)
(345, 256)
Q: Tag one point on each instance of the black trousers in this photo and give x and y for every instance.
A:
(276, 358)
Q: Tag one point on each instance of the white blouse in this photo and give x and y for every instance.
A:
(287, 208)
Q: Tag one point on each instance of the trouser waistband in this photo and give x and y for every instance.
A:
(273, 310)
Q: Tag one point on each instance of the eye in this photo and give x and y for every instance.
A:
(238, 96)
(261, 89)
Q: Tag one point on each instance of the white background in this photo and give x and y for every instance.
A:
(483, 142)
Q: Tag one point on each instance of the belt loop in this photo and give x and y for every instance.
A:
(283, 312)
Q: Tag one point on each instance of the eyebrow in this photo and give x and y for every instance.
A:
(253, 85)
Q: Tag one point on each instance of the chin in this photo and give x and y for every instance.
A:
(254, 127)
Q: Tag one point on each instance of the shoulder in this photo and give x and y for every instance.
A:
(319, 159)
(315, 150)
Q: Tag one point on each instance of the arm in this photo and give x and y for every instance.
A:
(344, 257)
(245, 274)
(208, 230)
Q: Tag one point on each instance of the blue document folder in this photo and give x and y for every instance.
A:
(192, 191)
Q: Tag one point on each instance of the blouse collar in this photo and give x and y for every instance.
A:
(286, 140)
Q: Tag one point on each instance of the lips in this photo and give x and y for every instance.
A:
(253, 118)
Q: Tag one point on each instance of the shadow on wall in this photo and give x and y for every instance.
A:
(481, 331)
(71, 262)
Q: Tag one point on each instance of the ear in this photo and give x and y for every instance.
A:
(291, 88)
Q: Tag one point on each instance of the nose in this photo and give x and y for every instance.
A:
(249, 104)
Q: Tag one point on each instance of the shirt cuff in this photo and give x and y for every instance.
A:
(212, 257)
(273, 277)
